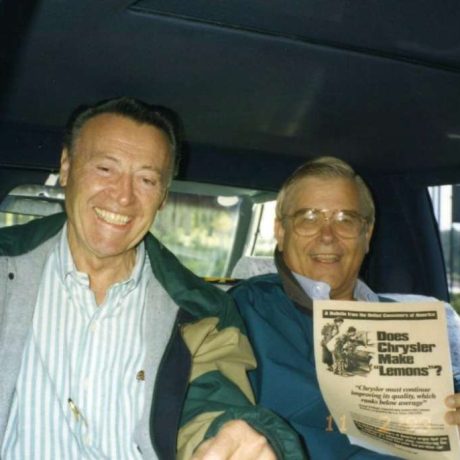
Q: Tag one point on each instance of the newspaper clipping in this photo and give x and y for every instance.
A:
(384, 371)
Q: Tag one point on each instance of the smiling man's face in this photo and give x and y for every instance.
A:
(324, 256)
(115, 181)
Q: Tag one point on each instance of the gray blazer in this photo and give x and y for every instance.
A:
(19, 283)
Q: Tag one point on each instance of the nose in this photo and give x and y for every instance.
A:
(124, 190)
(326, 232)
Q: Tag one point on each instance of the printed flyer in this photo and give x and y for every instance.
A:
(384, 371)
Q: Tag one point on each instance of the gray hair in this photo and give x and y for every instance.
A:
(326, 167)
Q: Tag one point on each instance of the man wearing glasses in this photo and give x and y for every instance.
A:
(324, 222)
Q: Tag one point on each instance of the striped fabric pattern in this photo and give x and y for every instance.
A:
(80, 390)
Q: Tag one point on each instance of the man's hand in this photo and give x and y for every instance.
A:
(453, 402)
(236, 440)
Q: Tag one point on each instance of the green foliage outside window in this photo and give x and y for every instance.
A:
(198, 231)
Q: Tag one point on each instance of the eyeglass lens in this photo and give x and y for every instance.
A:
(343, 223)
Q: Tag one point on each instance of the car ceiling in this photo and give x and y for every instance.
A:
(263, 84)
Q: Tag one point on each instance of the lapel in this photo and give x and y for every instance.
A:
(166, 369)
(21, 277)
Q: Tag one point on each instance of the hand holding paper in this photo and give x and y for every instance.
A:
(453, 416)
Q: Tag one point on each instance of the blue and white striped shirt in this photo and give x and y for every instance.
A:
(80, 392)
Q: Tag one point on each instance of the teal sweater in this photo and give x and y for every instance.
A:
(285, 381)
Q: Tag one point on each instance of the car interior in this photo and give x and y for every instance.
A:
(260, 87)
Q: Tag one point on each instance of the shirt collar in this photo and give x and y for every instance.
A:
(319, 290)
(68, 271)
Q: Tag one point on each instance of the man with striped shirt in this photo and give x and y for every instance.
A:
(109, 347)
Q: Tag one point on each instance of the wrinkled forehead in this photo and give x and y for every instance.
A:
(324, 193)
(111, 133)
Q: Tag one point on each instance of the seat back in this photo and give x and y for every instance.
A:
(249, 266)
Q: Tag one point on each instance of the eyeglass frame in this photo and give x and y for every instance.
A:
(364, 220)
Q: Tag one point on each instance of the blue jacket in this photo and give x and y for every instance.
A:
(285, 381)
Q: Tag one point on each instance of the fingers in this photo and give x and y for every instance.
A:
(453, 402)
(236, 440)
(206, 452)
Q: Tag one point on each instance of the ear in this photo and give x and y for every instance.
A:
(65, 167)
(368, 236)
(279, 234)
(163, 201)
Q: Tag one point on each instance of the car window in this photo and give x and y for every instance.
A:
(446, 207)
(263, 243)
(199, 230)
(28, 202)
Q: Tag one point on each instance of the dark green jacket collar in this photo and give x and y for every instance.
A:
(291, 286)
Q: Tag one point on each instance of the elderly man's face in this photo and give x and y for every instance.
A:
(324, 256)
(115, 181)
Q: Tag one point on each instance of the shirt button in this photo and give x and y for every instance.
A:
(93, 327)
(86, 384)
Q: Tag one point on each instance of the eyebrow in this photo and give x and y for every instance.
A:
(144, 167)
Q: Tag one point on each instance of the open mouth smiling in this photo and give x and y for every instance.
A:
(111, 217)
(325, 258)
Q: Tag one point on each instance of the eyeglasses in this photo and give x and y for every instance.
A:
(344, 223)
